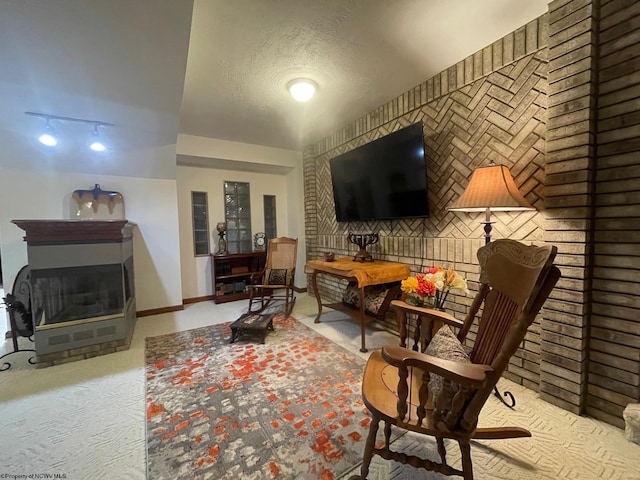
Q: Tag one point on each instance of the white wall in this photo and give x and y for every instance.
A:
(166, 271)
(196, 271)
(213, 148)
(151, 203)
(269, 171)
(295, 221)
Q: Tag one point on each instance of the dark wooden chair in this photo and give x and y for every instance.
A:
(275, 281)
(441, 392)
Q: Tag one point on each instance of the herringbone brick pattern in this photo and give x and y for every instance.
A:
(491, 106)
(499, 118)
(574, 65)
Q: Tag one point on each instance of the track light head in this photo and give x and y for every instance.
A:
(48, 138)
(96, 145)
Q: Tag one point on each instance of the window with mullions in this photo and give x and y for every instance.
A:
(237, 214)
(200, 223)
(270, 216)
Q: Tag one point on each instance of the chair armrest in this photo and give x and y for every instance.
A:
(427, 312)
(256, 277)
(467, 374)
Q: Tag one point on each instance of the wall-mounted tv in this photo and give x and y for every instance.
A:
(382, 180)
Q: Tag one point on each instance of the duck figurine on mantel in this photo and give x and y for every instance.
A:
(97, 204)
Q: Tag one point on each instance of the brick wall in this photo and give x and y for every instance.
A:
(568, 191)
(490, 106)
(558, 102)
(614, 369)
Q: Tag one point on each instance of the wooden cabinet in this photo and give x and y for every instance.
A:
(231, 274)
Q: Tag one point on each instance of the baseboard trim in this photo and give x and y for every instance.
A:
(174, 308)
(158, 311)
(145, 313)
(206, 298)
(187, 301)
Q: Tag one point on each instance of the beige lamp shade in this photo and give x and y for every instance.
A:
(491, 188)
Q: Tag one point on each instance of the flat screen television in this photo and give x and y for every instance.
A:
(382, 180)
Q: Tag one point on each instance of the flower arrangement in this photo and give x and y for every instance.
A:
(430, 289)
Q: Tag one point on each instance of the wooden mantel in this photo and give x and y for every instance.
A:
(63, 231)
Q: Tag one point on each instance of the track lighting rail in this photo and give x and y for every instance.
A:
(48, 117)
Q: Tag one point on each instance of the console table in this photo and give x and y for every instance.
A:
(364, 275)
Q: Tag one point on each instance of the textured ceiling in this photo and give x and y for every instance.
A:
(218, 68)
(115, 61)
(362, 53)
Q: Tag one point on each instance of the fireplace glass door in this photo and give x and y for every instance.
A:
(77, 294)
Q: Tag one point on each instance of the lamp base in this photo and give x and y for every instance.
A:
(487, 231)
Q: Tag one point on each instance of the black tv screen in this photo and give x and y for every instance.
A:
(382, 180)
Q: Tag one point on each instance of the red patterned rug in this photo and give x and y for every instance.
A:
(289, 409)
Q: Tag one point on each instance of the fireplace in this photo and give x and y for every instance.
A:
(82, 288)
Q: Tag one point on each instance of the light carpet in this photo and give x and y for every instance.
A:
(87, 419)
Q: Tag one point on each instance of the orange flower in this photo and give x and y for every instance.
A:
(426, 288)
(432, 287)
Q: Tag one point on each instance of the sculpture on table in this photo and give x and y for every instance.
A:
(221, 227)
(363, 240)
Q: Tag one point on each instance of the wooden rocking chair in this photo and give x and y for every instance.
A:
(267, 285)
(441, 392)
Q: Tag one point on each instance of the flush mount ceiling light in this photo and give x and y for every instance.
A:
(48, 138)
(302, 89)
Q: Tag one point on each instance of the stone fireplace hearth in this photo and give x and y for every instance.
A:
(82, 287)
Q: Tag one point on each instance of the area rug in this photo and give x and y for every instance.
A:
(290, 408)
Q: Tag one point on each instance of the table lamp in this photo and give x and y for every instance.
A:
(491, 189)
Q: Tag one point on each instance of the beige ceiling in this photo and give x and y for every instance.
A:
(362, 53)
(218, 68)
